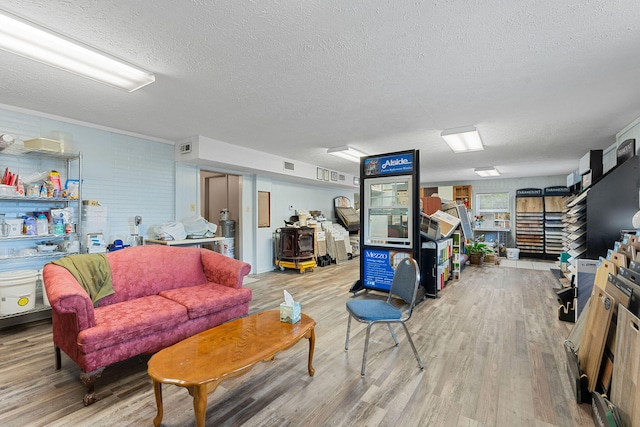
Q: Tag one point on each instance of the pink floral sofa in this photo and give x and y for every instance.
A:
(162, 295)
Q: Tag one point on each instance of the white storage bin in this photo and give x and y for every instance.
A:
(45, 298)
(43, 144)
(513, 253)
(94, 210)
(17, 291)
(16, 226)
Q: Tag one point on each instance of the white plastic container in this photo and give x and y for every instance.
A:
(42, 225)
(513, 253)
(225, 247)
(7, 190)
(45, 299)
(17, 291)
(16, 226)
(43, 144)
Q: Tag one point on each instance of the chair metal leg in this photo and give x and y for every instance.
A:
(346, 343)
(393, 334)
(366, 348)
(412, 346)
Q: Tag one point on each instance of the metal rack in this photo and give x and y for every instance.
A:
(27, 161)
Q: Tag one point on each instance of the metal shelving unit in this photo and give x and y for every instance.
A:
(25, 162)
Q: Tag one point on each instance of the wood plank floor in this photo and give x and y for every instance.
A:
(491, 345)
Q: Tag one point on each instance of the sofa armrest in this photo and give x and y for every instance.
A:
(223, 270)
(67, 296)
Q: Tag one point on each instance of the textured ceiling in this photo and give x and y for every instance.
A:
(544, 81)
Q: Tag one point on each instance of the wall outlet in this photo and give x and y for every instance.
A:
(192, 208)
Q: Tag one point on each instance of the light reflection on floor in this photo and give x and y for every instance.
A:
(531, 264)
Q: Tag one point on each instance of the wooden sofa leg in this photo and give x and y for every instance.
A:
(89, 379)
(58, 358)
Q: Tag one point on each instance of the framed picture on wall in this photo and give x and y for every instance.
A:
(326, 174)
(320, 174)
(334, 176)
(264, 209)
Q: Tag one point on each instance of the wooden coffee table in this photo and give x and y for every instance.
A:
(200, 363)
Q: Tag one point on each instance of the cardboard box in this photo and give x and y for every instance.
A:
(290, 313)
(491, 259)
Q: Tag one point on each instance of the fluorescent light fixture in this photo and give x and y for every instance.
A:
(347, 153)
(488, 171)
(463, 139)
(25, 39)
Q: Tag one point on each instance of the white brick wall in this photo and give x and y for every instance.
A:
(131, 175)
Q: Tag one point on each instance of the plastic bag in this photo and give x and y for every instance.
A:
(197, 226)
(171, 231)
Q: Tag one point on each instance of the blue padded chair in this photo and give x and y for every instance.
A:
(372, 311)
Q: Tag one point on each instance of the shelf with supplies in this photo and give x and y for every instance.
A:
(492, 219)
(435, 265)
(493, 234)
(40, 201)
(458, 256)
(36, 255)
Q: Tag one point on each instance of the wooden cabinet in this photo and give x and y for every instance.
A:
(462, 194)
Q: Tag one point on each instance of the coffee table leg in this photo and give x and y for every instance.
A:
(157, 389)
(312, 345)
(199, 394)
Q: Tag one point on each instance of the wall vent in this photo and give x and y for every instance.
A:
(289, 166)
(185, 148)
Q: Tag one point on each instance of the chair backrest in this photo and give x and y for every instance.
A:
(406, 280)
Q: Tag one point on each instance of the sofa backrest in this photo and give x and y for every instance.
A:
(147, 270)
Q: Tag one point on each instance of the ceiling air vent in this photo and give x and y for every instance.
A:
(289, 166)
(185, 148)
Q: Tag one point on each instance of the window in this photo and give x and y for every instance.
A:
(493, 208)
(388, 215)
(492, 202)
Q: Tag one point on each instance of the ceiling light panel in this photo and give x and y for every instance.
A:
(27, 40)
(464, 139)
(487, 171)
(347, 153)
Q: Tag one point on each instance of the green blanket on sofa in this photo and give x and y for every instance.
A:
(93, 273)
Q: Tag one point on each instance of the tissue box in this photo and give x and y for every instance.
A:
(290, 313)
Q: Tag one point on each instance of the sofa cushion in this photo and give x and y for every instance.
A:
(122, 321)
(149, 269)
(207, 298)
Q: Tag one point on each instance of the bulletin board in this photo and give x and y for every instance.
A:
(264, 209)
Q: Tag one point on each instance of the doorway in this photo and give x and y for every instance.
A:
(220, 191)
